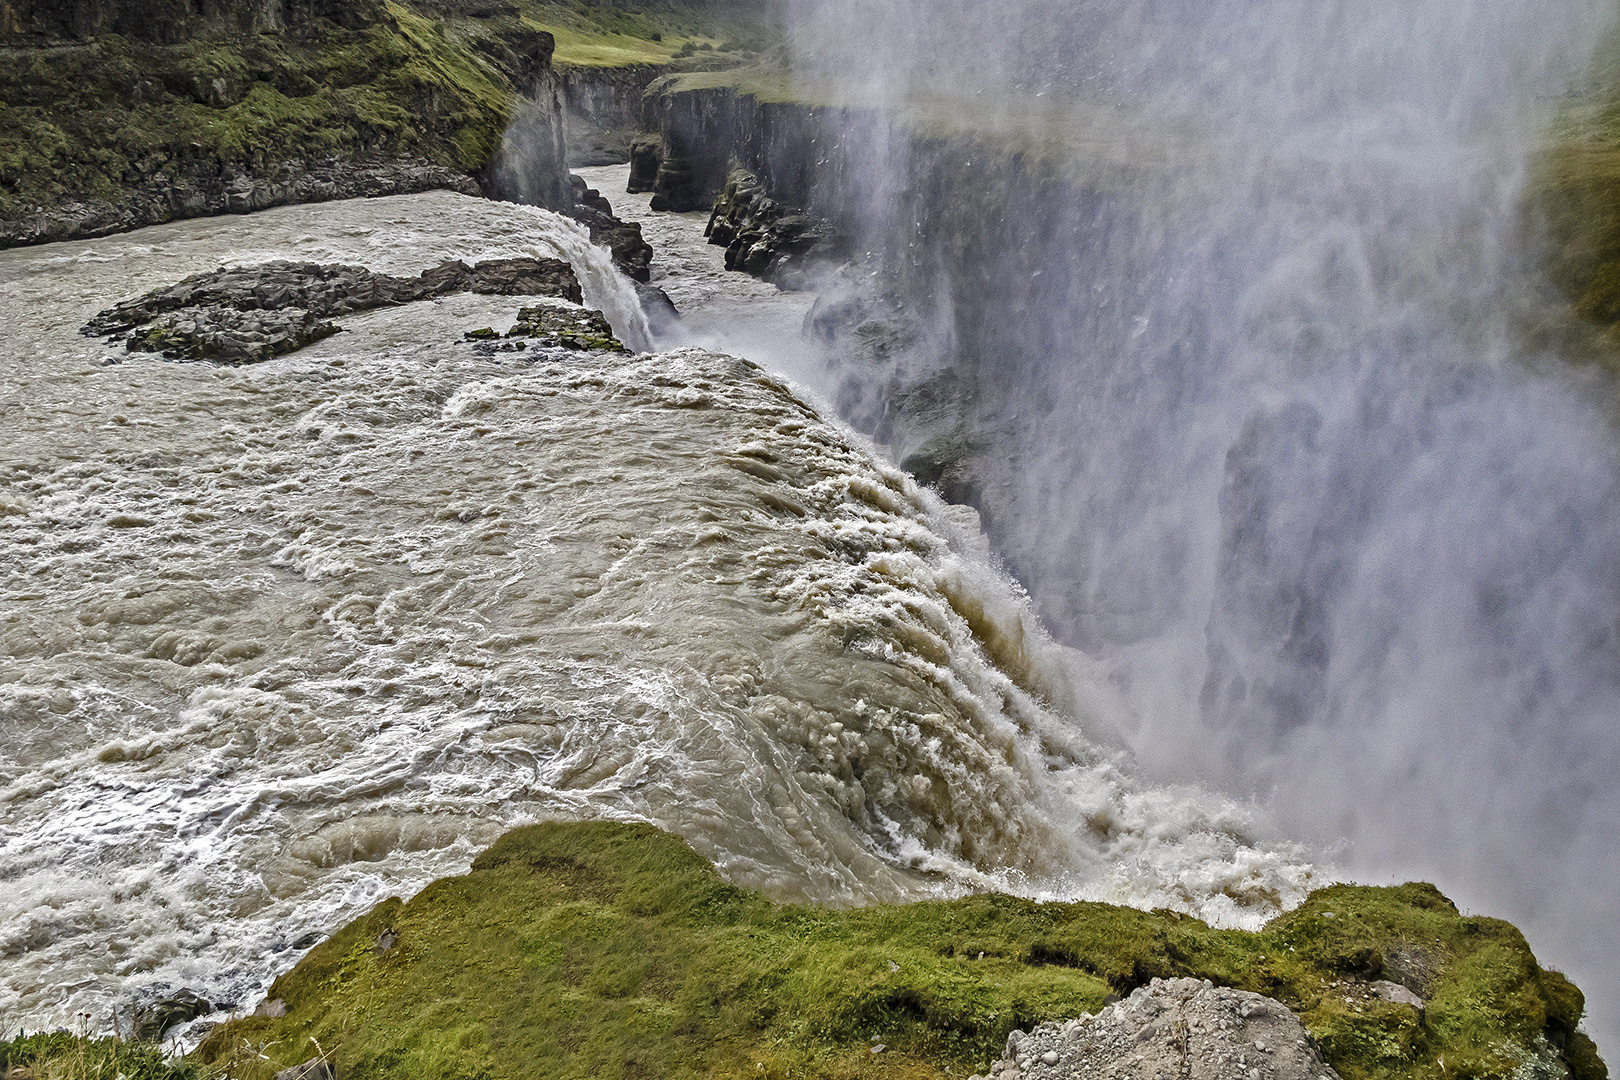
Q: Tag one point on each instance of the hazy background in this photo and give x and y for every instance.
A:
(1257, 420)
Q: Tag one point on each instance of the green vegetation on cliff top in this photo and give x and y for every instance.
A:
(604, 949)
(105, 117)
(667, 33)
(90, 120)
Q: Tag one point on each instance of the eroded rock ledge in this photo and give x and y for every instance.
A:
(1185, 1028)
(244, 315)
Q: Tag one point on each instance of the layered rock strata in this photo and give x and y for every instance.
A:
(603, 107)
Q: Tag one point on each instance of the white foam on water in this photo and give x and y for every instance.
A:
(283, 640)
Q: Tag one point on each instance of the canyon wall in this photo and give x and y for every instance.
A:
(123, 113)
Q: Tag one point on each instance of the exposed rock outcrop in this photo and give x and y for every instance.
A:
(248, 314)
(603, 107)
(631, 253)
(698, 129)
(153, 1019)
(767, 239)
(558, 326)
(1185, 1028)
(215, 187)
(646, 154)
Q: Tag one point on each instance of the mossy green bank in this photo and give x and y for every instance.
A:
(89, 120)
(603, 949)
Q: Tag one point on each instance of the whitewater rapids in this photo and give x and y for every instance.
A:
(283, 640)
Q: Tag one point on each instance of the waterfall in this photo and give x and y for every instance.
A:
(1237, 298)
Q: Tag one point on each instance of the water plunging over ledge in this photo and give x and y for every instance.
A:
(282, 640)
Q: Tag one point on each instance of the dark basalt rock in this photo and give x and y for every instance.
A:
(658, 307)
(227, 336)
(242, 315)
(209, 189)
(324, 290)
(623, 239)
(604, 110)
(646, 153)
(765, 238)
(566, 327)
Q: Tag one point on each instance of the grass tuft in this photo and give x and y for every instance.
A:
(60, 1055)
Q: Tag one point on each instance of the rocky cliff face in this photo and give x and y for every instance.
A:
(795, 149)
(169, 22)
(604, 110)
(124, 113)
(818, 167)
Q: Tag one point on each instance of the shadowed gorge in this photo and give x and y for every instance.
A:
(1226, 318)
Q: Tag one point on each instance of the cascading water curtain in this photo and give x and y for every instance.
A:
(1257, 422)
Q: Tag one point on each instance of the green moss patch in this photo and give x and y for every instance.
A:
(1572, 204)
(603, 949)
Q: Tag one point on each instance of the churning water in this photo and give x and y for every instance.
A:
(1255, 416)
(282, 640)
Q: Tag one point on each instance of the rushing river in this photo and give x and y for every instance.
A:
(280, 641)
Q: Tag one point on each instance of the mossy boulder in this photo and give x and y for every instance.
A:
(604, 949)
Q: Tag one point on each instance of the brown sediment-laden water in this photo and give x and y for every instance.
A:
(281, 640)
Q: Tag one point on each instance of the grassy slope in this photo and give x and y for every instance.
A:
(1575, 202)
(60, 1055)
(603, 949)
(88, 120)
(667, 33)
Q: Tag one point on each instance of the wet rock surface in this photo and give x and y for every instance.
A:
(766, 238)
(554, 325)
(1171, 1029)
(204, 192)
(229, 336)
(623, 239)
(152, 1020)
(242, 315)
